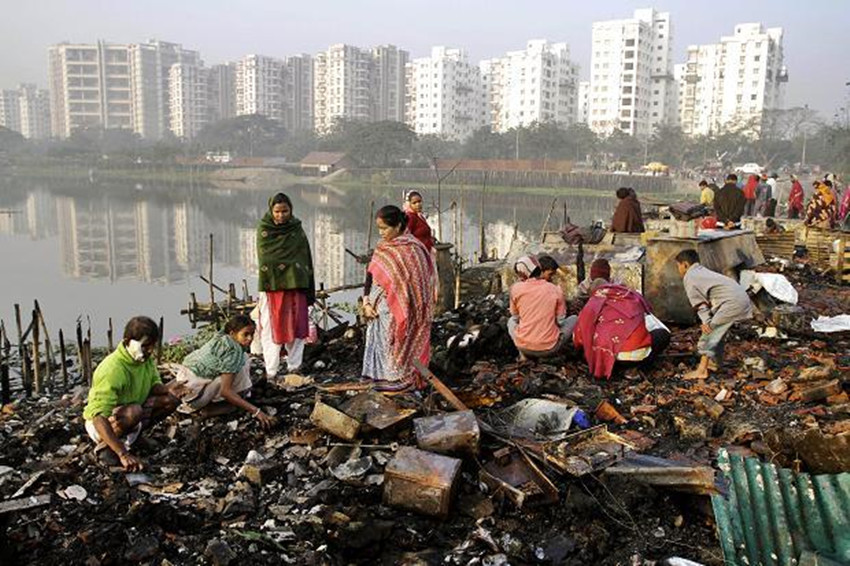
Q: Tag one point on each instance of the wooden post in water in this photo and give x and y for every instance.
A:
(109, 336)
(482, 241)
(24, 376)
(324, 306)
(546, 222)
(64, 357)
(36, 357)
(48, 347)
(81, 351)
(87, 346)
(5, 389)
(159, 342)
(369, 224)
(246, 296)
(212, 286)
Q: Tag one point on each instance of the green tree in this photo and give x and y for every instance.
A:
(247, 136)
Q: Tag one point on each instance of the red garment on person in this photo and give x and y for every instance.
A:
(288, 315)
(419, 228)
(606, 324)
(750, 188)
(796, 197)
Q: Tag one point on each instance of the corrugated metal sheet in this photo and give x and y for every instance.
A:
(771, 515)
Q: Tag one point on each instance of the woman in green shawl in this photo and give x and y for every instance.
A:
(287, 287)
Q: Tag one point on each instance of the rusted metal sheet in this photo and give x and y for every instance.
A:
(421, 481)
(515, 475)
(376, 410)
(720, 251)
(773, 516)
(666, 473)
(448, 433)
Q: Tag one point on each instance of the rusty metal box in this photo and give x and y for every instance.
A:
(448, 433)
(421, 481)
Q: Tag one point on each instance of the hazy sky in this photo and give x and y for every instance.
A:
(817, 32)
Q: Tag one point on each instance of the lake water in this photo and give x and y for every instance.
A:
(100, 251)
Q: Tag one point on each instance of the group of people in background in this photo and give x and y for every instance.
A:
(757, 197)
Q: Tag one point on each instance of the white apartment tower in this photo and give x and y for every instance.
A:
(445, 96)
(538, 84)
(389, 82)
(259, 86)
(729, 85)
(34, 112)
(344, 86)
(150, 72)
(298, 93)
(583, 101)
(10, 109)
(221, 93)
(89, 87)
(189, 110)
(631, 74)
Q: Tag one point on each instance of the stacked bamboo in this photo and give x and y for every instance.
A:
(779, 245)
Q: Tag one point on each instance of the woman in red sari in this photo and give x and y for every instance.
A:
(398, 304)
(795, 198)
(417, 224)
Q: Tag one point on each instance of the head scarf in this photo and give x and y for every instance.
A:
(826, 193)
(525, 266)
(283, 254)
(600, 269)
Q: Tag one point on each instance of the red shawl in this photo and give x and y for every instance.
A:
(403, 269)
(627, 217)
(795, 199)
(750, 188)
(418, 226)
(611, 315)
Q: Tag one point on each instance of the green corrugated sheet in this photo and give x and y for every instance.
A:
(771, 516)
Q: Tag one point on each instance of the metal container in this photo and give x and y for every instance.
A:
(448, 433)
(421, 481)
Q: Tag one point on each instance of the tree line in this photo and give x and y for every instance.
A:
(786, 139)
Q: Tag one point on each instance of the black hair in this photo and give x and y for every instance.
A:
(547, 263)
(238, 322)
(828, 183)
(623, 192)
(393, 216)
(770, 222)
(690, 257)
(703, 183)
(412, 194)
(140, 327)
(732, 177)
(280, 198)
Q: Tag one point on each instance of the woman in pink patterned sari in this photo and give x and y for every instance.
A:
(398, 303)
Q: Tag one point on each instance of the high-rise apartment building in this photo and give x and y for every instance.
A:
(10, 109)
(89, 87)
(445, 95)
(729, 85)
(298, 93)
(34, 112)
(538, 84)
(221, 94)
(259, 86)
(343, 77)
(150, 71)
(632, 88)
(583, 101)
(189, 105)
(389, 78)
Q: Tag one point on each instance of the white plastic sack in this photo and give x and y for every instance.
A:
(778, 287)
(831, 323)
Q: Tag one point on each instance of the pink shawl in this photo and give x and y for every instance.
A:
(605, 323)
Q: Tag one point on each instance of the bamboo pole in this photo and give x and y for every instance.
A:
(212, 285)
(81, 351)
(109, 336)
(546, 222)
(159, 342)
(482, 242)
(48, 347)
(369, 225)
(24, 376)
(64, 358)
(89, 364)
(36, 357)
(5, 389)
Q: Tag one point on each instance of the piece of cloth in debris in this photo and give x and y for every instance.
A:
(729, 204)
(538, 305)
(716, 298)
(120, 380)
(196, 392)
(402, 271)
(605, 325)
(628, 217)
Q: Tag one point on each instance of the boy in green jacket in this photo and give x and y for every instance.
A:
(127, 394)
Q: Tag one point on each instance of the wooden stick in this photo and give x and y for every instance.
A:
(323, 305)
(208, 281)
(370, 223)
(5, 389)
(81, 352)
(64, 358)
(109, 335)
(482, 242)
(24, 376)
(546, 222)
(245, 295)
(36, 357)
(48, 347)
(441, 387)
(159, 342)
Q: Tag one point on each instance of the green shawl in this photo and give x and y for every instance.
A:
(284, 256)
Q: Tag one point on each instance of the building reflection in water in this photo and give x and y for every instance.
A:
(151, 237)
